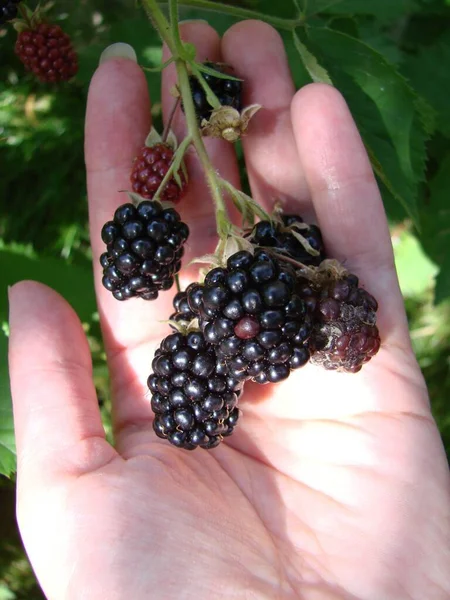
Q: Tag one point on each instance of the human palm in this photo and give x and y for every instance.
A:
(333, 485)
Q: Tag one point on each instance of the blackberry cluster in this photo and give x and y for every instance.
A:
(150, 168)
(183, 313)
(8, 10)
(144, 245)
(344, 334)
(228, 91)
(250, 312)
(280, 237)
(194, 402)
(48, 52)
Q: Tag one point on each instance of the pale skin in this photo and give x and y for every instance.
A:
(333, 486)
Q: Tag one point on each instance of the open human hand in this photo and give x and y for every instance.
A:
(333, 486)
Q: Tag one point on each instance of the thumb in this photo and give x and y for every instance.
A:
(56, 416)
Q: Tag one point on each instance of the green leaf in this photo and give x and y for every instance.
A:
(317, 73)
(7, 444)
(428, 71)
(397, 119)
(442, 291)
(74, 282)
(381, 9)
(435, 214)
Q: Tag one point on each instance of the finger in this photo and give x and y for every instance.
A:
(117, 123)
(257, 52)
(197, 207)
(56, 415)
(346, 198)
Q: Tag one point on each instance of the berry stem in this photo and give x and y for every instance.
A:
(170, 120)
(177, 282)
(166, 32)
(173, 12)
(245, 13)
(223, 223)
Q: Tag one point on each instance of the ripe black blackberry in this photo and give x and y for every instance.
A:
(144, 247)
(8, 10)
(344, 334)
(251, 313)
(183, 313)
(280, 235)
(228, 91)
(194, 402)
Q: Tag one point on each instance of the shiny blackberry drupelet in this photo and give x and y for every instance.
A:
(277, 235)
(228, 91)
(250, 312)
(182, 311)
(8, 10)
(144, 250)
(344, 335)
(194, 401)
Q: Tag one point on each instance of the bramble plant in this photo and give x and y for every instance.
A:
(261, 312)
(393, 119)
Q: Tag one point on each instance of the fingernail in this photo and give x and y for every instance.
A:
(119, 50)
(193, 21)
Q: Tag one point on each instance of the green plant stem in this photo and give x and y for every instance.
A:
(166, 32)
(173, 12)
(245, 13)
(191, 119)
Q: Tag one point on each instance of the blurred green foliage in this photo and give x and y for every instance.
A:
(391, 60)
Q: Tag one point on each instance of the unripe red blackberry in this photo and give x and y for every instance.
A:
(48, 52)
(194, 402)
(285, 236)
(144, 247)
(344, 334)
(250, 312)
(228, 91)
(149, 170)
(8, 10)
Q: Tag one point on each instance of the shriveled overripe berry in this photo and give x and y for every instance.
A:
(344, 335)
(144, 248)
(8, 10)
(48, 52)
(149, 169)
(193, 398)
(228, 91)
(281, 236)
(250, 312)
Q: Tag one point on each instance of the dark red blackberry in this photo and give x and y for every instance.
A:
(144, 250)
(344, 335)
(8, 10)
(282, 237)
(251, 313)
(228, 91)
(48, 52)
(149, 170)
(194, 402)
(183, 313)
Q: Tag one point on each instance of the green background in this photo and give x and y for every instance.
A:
(390, 58)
